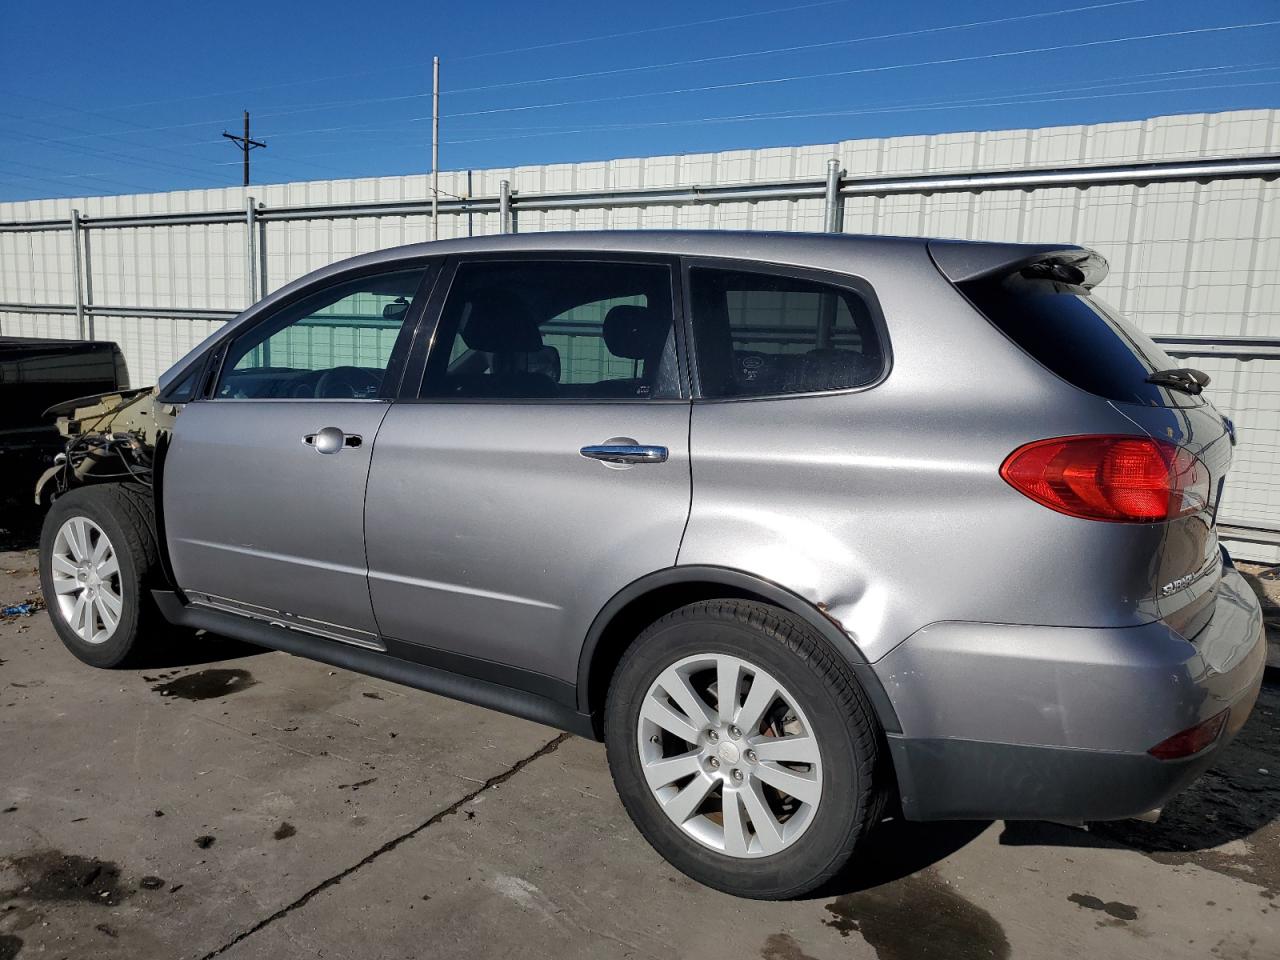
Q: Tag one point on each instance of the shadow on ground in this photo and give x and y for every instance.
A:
(182, 648)
(19, 525)
(899, 849)
(1228, 821)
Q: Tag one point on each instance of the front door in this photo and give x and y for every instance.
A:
(264, 483)
(542, 466)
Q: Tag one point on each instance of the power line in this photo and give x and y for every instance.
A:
(798, 48)
(647, 30)
(82, 135)
(862, 70)
(60, 179)
(1010, 99)
(367, 101)
(902, 34)
(899, 107)
(472, 56)
(968, 103)
(131, 158)
(767, 81)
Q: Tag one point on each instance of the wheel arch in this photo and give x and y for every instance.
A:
(643, 601)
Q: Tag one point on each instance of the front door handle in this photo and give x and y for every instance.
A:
(331, 440)
(624, 451)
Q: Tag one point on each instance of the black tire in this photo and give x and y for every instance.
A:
(126, 514)
(852, 796)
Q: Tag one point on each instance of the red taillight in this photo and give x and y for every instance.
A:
(1191, 740)
(1120, 479)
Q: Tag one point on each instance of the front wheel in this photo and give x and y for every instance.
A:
(98, 562)
(744, 749)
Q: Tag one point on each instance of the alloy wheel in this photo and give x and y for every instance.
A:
(729, 755)
(86, 580)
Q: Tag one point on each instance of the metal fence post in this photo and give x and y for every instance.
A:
(504, 206)
(264, 284)
(834, 213)
(251, 256)
(84, 324)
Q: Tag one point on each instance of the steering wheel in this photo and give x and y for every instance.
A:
(342, 382)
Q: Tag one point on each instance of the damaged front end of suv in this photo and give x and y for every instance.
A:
(111, 437)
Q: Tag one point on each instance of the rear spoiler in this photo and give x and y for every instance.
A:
(962, 261)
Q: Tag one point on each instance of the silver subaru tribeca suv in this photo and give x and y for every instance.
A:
(799, 525)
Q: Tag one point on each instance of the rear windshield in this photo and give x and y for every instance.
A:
(1078, 337)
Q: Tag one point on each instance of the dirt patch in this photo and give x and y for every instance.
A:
(782, 947)
(52, 876)
(918, 918)
(206, 684)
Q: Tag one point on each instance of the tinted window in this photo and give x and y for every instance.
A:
(761, 334)
(185, 389)
(556, 330)
(1078, 337)
(334, 344)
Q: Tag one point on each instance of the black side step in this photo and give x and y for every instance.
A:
(374, 663)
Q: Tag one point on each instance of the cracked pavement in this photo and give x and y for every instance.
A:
(248, 804)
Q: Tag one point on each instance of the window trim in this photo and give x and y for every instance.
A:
(214, 358)
(850, 282)
(426, 347)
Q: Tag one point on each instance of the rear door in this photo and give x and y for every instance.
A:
(540, 466)
(264, 483)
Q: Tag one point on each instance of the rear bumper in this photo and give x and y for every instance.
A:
(1025, 722)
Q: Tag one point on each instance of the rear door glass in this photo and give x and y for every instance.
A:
(556, 330)
(766, 334)
(1079, 337)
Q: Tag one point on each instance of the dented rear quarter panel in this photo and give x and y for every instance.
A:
(885, 507)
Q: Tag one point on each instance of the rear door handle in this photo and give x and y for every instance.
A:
(624, 451)
(331, 440)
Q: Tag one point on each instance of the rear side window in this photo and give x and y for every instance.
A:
(764, 334)
(556, 330)
(1078, 337)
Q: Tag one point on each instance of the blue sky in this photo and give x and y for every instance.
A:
(125, 97)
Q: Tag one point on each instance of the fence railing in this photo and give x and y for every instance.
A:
(833, 190)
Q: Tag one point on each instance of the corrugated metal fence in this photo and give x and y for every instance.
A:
(1184, 207)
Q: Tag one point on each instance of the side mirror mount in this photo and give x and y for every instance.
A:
(396, 309)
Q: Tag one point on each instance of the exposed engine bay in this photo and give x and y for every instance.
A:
(111, 437)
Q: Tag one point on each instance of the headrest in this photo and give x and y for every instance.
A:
(500, 322)
(545, 361)
(634, 332)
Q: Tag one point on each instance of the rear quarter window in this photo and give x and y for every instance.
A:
(1078, 337)
(762, 334)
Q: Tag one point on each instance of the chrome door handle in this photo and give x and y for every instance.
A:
(331, 440)
(624, 450)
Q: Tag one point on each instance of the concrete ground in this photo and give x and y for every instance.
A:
(245, 804)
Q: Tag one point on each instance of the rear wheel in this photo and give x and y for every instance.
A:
(744, 749)
(98, 562)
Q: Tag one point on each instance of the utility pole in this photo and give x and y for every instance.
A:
(435, 148)
(245, 145)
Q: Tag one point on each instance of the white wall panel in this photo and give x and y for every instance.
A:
(1186, 258)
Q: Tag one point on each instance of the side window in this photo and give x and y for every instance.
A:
(333, 344)
(539, 329)
(761, 334)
